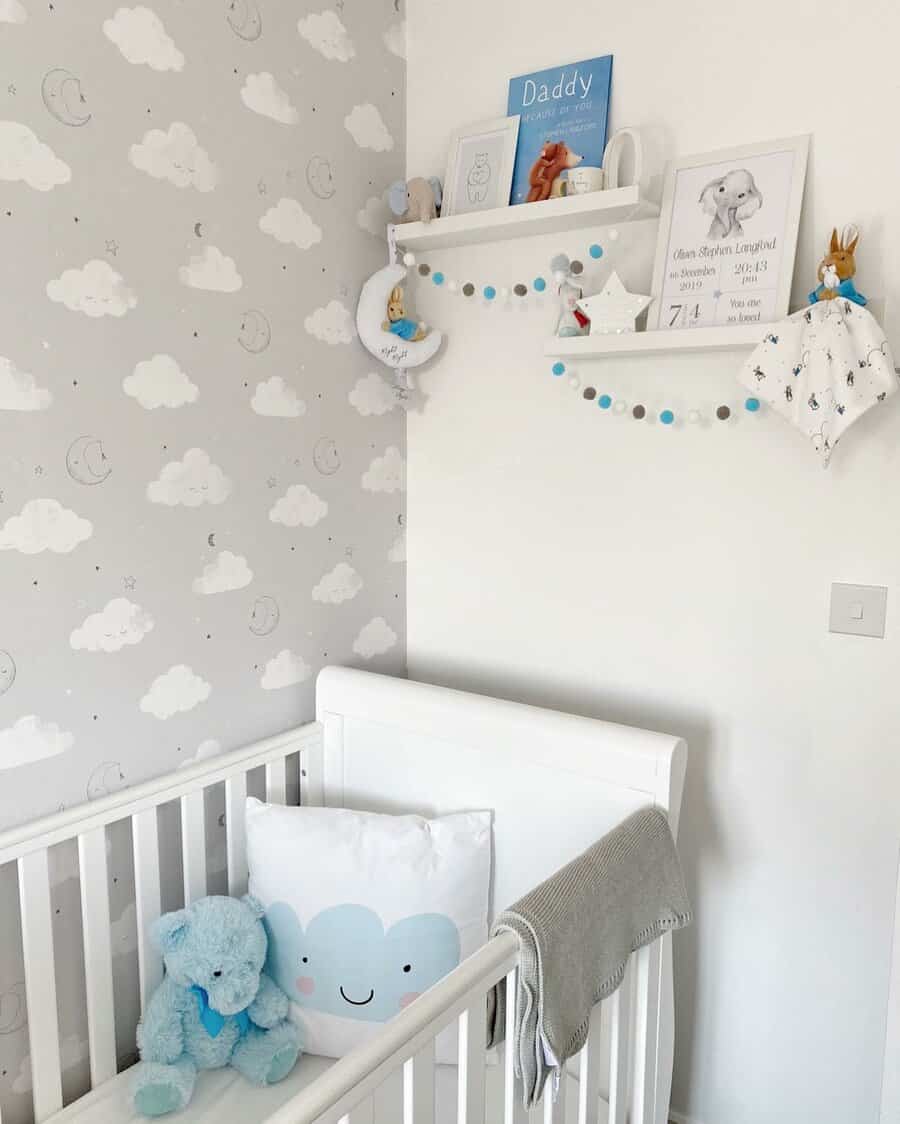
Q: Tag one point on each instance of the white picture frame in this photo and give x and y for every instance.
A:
(480, 166)
(728, 235)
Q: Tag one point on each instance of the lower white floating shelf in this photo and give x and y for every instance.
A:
(733, 337)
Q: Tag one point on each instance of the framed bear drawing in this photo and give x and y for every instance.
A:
(480, 166)
(728, 236)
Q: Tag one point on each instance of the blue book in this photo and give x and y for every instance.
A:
(564, 104)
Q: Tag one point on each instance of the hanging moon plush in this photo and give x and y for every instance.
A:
(378, 306)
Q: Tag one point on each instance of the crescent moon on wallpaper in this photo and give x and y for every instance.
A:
(105, 779)
(61, 91)
(326, 457)
(7, 671)
(320, 177)
(264, 616)
(244, 19)
(256, 331)
(211, 538)
(86, 462)
(197, 231)
(13, 1009)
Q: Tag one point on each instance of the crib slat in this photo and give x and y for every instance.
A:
(589, 1073)
(418, 1087)
(620, 1026)
(554, 1111)
(276, 781)
(40, 984)
(646, 1029)
(236, 842)
(514, 1111)
(97, 955)
(472, 1045)
(147, 896)
(193, 846)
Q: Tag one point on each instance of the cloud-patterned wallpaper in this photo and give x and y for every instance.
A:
(201, 473)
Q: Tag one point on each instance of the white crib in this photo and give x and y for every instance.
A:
(555, 782)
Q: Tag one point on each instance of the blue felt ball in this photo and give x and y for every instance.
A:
(596, 251)
(752, 404)
(437, 278)
(604, 401)
(667, 417)
(558, 369)
(539, 284)
(489, 292)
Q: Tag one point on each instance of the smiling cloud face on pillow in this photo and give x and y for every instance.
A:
(346, 964)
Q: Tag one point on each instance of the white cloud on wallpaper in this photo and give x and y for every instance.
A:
(327, 34)
(395, 39)
(374, 216)
(397, 553)
(192, 481)
(177, 690)
(160, 382)
(19, 390)
(96, 290)
(376, 638)
(24, 158)
(273, 398)
(299, 507)
(332, 324)
(44, 524)
(175, 155)
(11, 11)
(365, 125)
(386, 473)
(263, 95)
(212, 270)
(227, 572)
(340, 584)
(119, 624)
(31, 739)
(141, 37)
(210, 747)
(372, 395)
(288, 222)
(284, 670)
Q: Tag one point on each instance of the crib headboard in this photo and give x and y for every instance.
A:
(555, 782)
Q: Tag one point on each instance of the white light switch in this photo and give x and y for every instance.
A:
(858, 609)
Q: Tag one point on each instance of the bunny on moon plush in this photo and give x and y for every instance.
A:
(385, 330)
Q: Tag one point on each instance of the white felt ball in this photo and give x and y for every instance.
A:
(409, 259)
(619, 407)
(453, 286)
(504, 293)
(574, 382)
(693, 416)
(613, 235)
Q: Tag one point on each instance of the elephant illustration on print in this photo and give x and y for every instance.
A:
(345, 963)
(730, 199)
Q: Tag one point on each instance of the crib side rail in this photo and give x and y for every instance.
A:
(28, 846)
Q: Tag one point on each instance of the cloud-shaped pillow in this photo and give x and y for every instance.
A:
(346, 964)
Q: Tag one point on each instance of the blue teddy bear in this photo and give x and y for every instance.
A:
(215, 1007)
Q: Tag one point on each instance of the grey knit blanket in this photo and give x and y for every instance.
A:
(576, 932)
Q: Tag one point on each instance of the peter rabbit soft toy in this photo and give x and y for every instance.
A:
(215, 1007)
(398, 323)
(837, 269)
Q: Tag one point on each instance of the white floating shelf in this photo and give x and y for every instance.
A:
(554, 216)
(736, 337)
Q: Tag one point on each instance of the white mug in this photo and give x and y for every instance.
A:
(581, 180)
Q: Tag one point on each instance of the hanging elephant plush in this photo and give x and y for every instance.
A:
(415, 200)
(385, 327)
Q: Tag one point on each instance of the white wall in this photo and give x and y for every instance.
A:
(680, 579)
